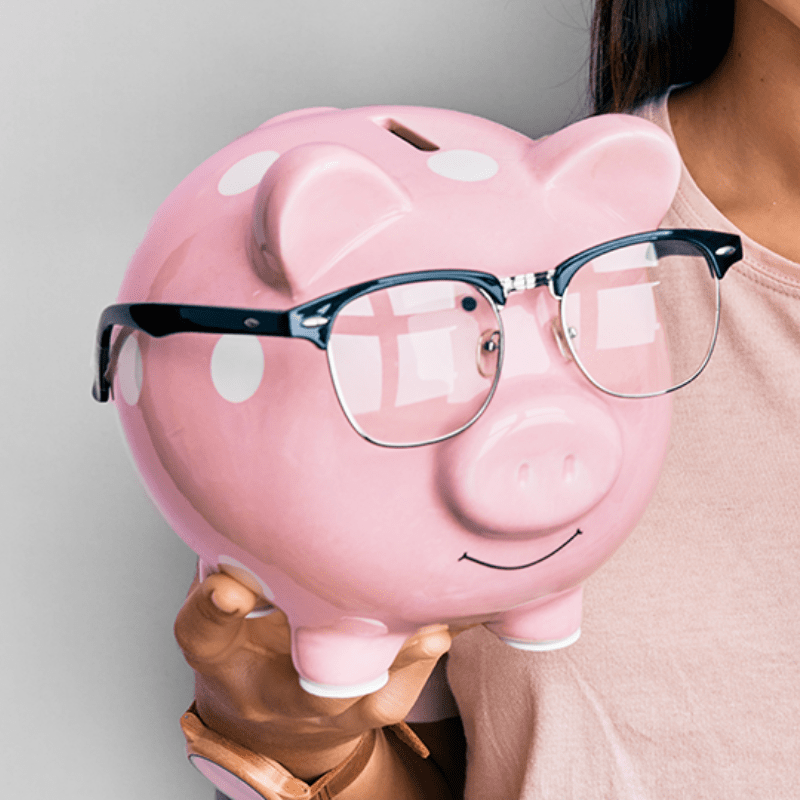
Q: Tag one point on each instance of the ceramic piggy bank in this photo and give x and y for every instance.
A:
(397, 366)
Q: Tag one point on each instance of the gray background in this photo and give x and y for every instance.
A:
(104, 108)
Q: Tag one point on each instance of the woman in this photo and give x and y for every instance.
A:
(685, 683)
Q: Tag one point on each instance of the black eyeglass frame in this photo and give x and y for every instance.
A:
(314, 319)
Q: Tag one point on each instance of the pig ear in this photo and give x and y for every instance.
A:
(316, 203)
(621, 164)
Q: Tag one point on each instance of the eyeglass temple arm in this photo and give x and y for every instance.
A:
(163, 319)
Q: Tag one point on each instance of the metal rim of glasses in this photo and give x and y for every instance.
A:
(402, 445)
(645, 395)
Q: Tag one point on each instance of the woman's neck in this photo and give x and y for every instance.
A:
(739, 130)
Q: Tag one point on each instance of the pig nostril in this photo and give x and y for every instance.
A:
(524, 474)
(568, 470)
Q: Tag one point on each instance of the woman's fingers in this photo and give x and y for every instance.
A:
(250, 660)
(428, 644)
(228, 595)
(211, 617)
(407, 677)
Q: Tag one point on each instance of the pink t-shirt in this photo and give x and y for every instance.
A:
(686, 680)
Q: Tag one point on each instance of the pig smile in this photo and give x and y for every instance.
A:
(467, 557)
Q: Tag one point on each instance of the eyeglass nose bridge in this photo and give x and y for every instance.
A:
(529, 280)
(534, 280)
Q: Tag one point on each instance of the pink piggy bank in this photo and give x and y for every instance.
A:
(479, 415)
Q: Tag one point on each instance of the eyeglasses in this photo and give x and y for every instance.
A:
(416, 358)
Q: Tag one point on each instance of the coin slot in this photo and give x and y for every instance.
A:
(407, 135)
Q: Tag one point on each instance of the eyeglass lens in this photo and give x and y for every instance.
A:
(417, 362)
(642, 319)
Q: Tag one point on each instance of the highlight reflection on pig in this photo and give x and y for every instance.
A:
(434, 453)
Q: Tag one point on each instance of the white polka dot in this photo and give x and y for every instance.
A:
(463, 165)
(129, 371)
(237, 366)
(247, 173)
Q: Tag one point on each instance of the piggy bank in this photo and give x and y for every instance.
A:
(478, 415)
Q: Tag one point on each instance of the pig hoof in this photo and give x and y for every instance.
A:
(355, 690)
(543, 646)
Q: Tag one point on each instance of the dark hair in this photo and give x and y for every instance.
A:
(642, 47)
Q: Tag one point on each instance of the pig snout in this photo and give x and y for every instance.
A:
(531, 468)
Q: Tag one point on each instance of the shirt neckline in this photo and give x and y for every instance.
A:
(693, 206)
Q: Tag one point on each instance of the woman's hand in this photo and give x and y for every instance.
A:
(247, 689)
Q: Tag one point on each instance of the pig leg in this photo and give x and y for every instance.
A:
(548, 623)
(348, 659)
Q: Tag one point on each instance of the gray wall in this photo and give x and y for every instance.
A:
(104, 107)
